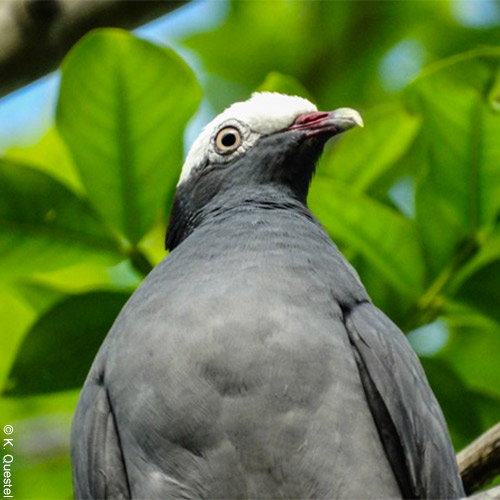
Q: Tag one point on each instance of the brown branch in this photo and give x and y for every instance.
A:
(479, 462)
(36, 34)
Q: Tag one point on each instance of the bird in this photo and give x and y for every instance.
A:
(251, 362)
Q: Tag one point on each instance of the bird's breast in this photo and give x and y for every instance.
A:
(238, 363)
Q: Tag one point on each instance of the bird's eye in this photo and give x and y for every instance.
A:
(227, 140)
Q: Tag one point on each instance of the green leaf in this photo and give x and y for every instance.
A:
(487, 250)
(477, 282)
(15, 317)
(277, 82)
(494, 94)
(88, 275)
(364, 154)
(45, 226)
(280, 36)
(51, 156)
(38, 296)
(122, 110)
(57, 352)
(383, 236)
(459, 191)
(489, 408)
(459, 405)
(481, 290)
(383, 293)
(472, 348)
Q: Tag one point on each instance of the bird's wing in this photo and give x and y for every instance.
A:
(409, 420)
(98, 464)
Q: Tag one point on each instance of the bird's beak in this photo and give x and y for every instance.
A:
(321, 123)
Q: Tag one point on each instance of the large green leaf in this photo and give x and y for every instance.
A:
(88, 275)
(44, 225)
(459, 191)
(15, 317)
(57, 352)
(485, 251)
(50, 155)
(481, 290)
(382, 292)
(473, 347)
(122, 110)
(458, 402)
(383, 236)
(477, 282)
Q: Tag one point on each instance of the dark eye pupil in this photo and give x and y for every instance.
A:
(228, 139)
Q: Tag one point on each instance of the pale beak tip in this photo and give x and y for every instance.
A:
(349, 114)
(358, 120)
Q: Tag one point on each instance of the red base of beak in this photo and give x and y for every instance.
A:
(320, 123)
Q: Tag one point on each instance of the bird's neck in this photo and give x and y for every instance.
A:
(229, 205)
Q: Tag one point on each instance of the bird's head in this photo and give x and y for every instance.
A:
(271, 141)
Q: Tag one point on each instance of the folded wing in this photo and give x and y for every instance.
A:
(409, 420)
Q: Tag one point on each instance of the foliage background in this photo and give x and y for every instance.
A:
(413, 200)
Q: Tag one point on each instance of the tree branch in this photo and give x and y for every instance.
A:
(36, 34)
(480, 462)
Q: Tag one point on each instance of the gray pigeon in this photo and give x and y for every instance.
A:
(251, 362)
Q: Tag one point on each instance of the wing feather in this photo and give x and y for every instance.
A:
(410, 422)
(98, 465)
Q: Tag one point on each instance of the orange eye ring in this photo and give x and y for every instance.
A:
(228, 140)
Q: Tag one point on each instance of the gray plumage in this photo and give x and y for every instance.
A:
(251, 363)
